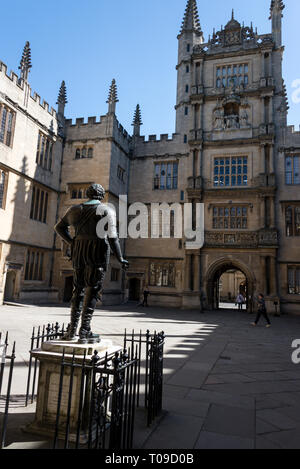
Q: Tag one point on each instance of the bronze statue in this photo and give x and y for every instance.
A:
(90, 256)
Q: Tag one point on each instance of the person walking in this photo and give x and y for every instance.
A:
(146, 294)
(262, 311)
(240, 301)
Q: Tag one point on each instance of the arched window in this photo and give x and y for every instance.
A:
(83, 153)
(77, 155)
(90, 153)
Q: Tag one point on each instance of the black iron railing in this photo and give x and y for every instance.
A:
(7, 363)
(152, 358)
(105, 413)
(39, 335)
(110, 390)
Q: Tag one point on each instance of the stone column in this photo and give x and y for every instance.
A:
(187, 273)
(201, 73)
(196, 73)
(196, 273)
(196, 114)
(271, 159)
(263, 212)
(263, 120)
(200, 116)
(273, 282)
(262, 159)
(263, 268)
(272, 212)
(271, 120)
(263, 65)
(270, 65)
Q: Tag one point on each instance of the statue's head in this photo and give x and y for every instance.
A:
(95, 192)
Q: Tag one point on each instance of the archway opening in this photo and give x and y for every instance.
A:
(233, 290)
(228, 282)
(10, 284)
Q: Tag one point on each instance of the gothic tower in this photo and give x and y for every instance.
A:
(190, 36)
(277, 6)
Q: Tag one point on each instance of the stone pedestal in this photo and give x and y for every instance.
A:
(50, 359)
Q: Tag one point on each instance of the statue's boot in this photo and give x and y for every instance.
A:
(75, 314)
(86, 336)
(72, 327)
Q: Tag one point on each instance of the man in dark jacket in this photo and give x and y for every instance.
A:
(90, 256)
(146, 295)
(262, 311)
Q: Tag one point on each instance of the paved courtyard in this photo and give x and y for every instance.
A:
(227, 384)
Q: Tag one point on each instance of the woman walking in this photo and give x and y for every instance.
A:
(240, 301)
(262, 311)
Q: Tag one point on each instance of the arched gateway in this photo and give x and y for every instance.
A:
(212, 282)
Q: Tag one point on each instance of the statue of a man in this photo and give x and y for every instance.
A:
(90, 258)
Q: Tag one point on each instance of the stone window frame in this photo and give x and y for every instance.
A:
(231, 174)
(34, 265)
(168, 177)
(293, 280)
(292, 225)
(3, 187)
(121, 173)
(77, 189)
(84, 152)
(7, 126)
(241, 222)
(115, 275)
(39, 204)
(294, 168)
(162, 274)
(44, 151)
(231, 65)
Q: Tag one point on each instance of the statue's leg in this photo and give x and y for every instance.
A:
(77, 298)
(94, 278)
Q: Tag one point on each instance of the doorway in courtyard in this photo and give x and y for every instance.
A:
(134, 289)
(227, 282)
(10, 286)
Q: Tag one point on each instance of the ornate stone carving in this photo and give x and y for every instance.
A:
(233, 34)
(268, 237)
(219, 117)
(244, 118)
(234, 239)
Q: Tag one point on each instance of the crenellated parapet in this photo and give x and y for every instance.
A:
(93, 128)
(159, 146)
(22, 87)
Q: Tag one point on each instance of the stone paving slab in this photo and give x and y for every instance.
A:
(233, 421)
(227, 384)
(281, 421)
(209, 440)
(175, 432)
(263, 427)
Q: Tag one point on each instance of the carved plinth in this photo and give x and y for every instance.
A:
(50, 359)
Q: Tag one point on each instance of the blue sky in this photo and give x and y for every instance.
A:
(135, 41)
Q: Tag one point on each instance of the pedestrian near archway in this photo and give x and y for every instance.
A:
(262, 311)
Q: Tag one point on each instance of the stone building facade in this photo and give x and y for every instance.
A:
(30, 167)
(232, 151)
